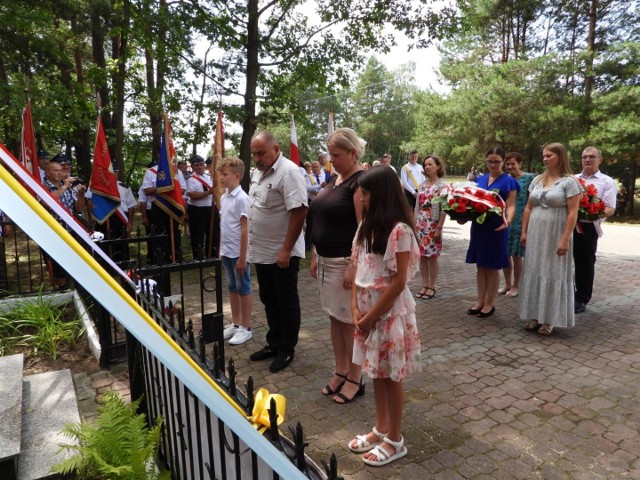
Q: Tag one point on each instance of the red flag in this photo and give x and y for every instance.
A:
(28, 150)
(294, 154)
(103, 182)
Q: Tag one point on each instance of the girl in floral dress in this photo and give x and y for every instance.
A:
(386, 344)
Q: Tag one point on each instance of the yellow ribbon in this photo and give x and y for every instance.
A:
(260, 415)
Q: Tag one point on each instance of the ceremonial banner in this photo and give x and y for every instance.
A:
(104, 182)
(327, 162)
(28, 150)
(169, 194)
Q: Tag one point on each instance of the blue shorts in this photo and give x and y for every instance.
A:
(236, 283)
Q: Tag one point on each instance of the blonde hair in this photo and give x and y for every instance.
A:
(232, 163)
(348, 140)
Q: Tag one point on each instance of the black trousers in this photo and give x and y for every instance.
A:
(585, 246)
(199, 228)
(114, 229)
(4, 284)
(161, 248)
(279, 294)
(411, 199)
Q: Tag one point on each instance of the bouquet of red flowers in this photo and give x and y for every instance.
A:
(591, 206)
(470, 202)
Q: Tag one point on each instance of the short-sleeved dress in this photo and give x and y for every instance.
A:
(515, 229)
(391, 349)
(427, 216)
(546, 289)
(488, 248)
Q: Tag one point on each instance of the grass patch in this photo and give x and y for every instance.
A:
(38, 327)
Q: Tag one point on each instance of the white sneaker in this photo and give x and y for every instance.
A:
(229, 331)
(241, 336)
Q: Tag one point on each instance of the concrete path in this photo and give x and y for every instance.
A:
(493, 401)
(618, 239)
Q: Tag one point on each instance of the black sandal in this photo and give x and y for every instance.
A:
(344, 398)
(328, 388)
(422, 293)
(429, 296)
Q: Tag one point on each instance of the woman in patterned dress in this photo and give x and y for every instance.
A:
(547, 227)
(429, 221)
(512, 164)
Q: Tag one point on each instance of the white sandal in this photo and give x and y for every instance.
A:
(383, 457)
(361, 443)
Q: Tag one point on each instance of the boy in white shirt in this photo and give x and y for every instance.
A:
(234, 235)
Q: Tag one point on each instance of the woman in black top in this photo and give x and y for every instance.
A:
(335, 214)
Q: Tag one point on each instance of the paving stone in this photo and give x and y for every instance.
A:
(493, 401)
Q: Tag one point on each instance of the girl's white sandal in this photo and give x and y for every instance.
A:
(361, 443)
(383, 457)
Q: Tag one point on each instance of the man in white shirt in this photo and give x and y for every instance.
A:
(412, 176)
(587, 232)
(277, 210)
(43, 159)
(119, 223)
(386, 160)
(161, 221)
(315, 180)
(200, 206)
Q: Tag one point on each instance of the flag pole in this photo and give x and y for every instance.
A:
(170, 161)
(216, 158)
(28, 105)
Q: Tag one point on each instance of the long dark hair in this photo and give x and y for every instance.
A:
(387, 207)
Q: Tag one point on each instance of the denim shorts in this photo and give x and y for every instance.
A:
(236, 283)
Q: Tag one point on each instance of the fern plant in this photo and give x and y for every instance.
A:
(119, 446)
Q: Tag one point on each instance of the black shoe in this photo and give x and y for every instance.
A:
(473, 311)
(281, 362)
(263, 354)
(482, 314)
(579, 307)
(344, 399)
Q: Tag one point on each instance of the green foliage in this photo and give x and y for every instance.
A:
(39, 326)
(381, 108)
(119, 446)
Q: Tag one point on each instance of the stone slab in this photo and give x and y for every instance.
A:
(49, 402)
(10, 406)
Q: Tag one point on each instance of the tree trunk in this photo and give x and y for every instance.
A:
(200, 107)
(591, 52)
(97, 47)
(120, 45)
(253, 68)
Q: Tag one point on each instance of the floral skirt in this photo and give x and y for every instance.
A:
(429, 245)
(391, 349)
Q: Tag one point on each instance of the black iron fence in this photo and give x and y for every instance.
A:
(185, 299)
(197, 444)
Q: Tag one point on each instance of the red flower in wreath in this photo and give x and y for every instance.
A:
(480, 207)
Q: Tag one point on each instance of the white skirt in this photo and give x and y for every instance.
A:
(334, 298)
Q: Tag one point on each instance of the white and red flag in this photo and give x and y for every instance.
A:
(294, 154)
(327, 163)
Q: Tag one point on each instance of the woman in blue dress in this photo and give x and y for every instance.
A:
(489, 240)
